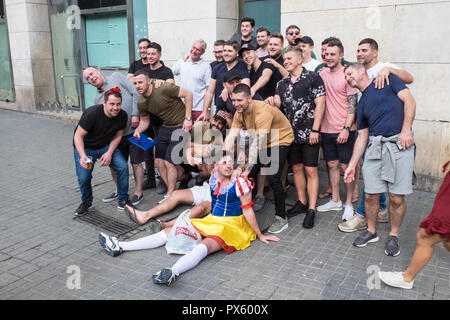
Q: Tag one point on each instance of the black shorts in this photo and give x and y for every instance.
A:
(338, 151)
(168, 149)
(307, 154)
(128, 149)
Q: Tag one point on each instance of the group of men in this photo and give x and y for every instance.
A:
(281, 105)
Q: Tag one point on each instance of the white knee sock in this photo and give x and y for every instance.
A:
(153, 241)
(191, 259)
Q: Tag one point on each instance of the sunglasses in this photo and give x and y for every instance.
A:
(293, 32)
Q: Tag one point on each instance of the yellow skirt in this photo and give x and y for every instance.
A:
(231, 233)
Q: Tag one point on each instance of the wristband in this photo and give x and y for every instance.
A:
(316, 131)
(188, 118)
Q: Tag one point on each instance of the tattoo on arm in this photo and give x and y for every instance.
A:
(352, 100)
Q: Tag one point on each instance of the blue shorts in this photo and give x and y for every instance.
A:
(338, 151)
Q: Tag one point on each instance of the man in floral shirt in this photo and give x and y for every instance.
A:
(301, 97)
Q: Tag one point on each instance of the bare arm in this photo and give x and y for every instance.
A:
(79, 145)
(251, 219)
(107, 156)
(209, 95)
(358, 151)
(262, 81)
(405, 136)
(343, 135)
(318, 116)
(383, 76)
(187, 95)
(144, 123)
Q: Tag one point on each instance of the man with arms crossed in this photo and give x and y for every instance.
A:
(384, 120)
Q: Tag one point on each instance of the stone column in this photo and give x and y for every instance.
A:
(31, 52)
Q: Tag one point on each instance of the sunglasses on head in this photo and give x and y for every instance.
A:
(292, 33)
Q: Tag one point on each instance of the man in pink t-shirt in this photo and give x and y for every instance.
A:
(338, 128)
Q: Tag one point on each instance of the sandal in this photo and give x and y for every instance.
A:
(132, 215)
(324, 194)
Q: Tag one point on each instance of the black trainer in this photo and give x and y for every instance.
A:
(365, 238)
(82, 209)
(392, 247)
(297, 209)
(308, 222)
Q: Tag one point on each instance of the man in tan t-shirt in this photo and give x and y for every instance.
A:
(272, 132)
(164, 102)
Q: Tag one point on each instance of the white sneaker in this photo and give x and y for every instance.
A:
(348, 212)
(330, 205)
(395, 279)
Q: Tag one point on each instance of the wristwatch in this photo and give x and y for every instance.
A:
(188, 118)
(347, 128)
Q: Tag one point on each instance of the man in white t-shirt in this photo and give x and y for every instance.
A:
(367, 54)
(307, 45)
(195, 75)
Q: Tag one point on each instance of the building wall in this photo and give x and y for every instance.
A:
(412, 34)
(176, 24)
(31, 54)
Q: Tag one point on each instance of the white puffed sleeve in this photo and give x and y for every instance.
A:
(243, 186)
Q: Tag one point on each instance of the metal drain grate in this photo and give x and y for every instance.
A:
(107, 223)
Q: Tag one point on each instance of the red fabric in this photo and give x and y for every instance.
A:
(438, 222)
(228, 249)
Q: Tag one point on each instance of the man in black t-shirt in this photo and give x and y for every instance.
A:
(141, 63)
(97, 136)
(262, 74)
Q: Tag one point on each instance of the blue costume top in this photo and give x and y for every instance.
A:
(225, 200)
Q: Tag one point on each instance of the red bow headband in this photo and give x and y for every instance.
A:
(116, 89)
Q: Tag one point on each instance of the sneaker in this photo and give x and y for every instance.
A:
(356, 223)
(279, 225)
(392, 248)
(308, 222)
(161, 187)
(82, 209)
(149, 182)
(259, 203)
(348, 212)
(330, 205)
(365, 238)
(164, 276)
(113, 196)
(135, 199)
(110, 244)
(163, 199)
(121, 204)
(395, 279)
(383, 216)
(297, 209)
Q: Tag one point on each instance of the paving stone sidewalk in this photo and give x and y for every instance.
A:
(42, 247)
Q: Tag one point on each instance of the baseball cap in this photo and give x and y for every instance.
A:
(305, 39)
(221, 115)
(230, 75)
(246, 46)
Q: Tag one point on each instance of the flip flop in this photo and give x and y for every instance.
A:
(132, 215)
(354, 200)
(324, 194)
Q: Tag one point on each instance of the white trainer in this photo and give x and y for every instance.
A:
(348, 212)
(330, 205)
(395, 279)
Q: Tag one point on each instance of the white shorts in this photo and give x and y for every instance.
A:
(201, 193)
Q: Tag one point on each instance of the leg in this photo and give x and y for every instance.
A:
(84, 177)
(114, 177)
(261, 182)
(149, 242)
(349, 187)
(199, 211)
(335, 176)
(312, 186)
(300, 181)
(178, 196)
(172, 175)
(159, 164)
(371, 204)
(397, 208)
(138, 172)
(422, 254)
(120, 165)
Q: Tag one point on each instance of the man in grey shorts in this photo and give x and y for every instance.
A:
(384, 120)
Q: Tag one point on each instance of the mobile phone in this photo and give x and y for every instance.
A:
(399, 145)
